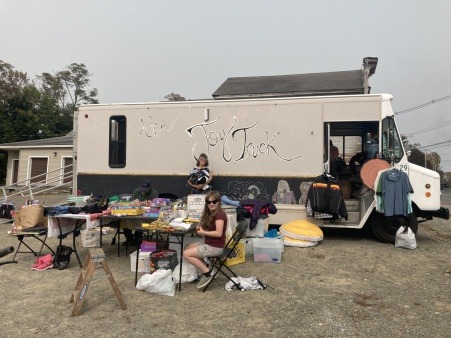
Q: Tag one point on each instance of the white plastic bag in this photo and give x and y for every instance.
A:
(189, 272)
(405, 238)
(159, 282)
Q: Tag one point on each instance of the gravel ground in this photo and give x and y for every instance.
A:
(348, 285)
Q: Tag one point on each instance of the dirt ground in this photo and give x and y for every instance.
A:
(348, 285)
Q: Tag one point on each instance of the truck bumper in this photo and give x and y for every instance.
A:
(440, 213)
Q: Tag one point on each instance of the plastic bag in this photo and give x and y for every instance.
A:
(405, 238)
(160, 282)
(189, 272)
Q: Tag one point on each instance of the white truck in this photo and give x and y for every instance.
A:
(252, 144)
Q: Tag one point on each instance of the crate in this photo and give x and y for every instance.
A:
(240, 255)
(90, 238)
(268, 250)
(196, 202)
(143, 261)
(164, 259)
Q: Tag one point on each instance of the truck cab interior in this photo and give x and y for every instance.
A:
(348, 145)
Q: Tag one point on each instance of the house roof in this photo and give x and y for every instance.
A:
(312, 84)
(54, 142)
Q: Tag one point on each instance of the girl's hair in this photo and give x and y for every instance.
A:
(209, 215)
(204, 156)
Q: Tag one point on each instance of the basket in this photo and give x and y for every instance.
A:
(90, 238)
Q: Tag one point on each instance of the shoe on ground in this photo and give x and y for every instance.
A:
(36, 263)
(205, 280)
(45, 262)
(44, 266)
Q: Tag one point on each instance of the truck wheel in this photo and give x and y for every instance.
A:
(384, 228)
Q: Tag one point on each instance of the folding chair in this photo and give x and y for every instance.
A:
(33, 232)
(218, 262)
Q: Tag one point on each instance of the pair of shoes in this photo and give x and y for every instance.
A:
(204, 280)
(43, 263)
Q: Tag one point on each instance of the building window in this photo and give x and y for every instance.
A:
(118, 136)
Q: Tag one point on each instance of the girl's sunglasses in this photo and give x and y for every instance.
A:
(212, 202)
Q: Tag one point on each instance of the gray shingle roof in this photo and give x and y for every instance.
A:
(333, 83)
(66, 140)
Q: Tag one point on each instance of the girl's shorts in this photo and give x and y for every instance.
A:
(205, 250)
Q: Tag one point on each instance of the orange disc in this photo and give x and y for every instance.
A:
(370, 169)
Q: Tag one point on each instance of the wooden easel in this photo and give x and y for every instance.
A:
(95, 256)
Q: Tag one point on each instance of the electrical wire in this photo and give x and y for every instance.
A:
(400, 112)
(440, 144)
(430, 128)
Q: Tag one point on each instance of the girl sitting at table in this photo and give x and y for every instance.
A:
(213, 226)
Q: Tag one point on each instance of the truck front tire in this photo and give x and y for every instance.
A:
(384, 228)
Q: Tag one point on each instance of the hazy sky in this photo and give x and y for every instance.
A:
(141, 50)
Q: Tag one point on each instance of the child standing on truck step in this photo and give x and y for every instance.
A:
(201, 176)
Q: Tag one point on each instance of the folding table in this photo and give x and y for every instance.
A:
(65, 224)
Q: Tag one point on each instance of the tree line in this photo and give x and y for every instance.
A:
(41, 107)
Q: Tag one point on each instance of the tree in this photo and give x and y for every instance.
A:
(416, 157)
(174, 97)
(42, 108)
(69, 86)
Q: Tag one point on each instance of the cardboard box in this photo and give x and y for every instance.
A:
(148, 246)
(196, 202)
(268, 250)
(143, 261)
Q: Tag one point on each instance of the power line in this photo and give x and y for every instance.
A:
(423, 105)
(431, 128)
(440, 144)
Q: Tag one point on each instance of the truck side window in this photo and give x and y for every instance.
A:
(391, 142)
(117, 141)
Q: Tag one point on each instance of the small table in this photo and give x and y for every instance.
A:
(179, 236)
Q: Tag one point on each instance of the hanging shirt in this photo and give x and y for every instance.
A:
(395, 188)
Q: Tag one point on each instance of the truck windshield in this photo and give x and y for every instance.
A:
(391, 142)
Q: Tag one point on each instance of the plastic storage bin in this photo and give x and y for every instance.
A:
(268, 250)
(260, 229)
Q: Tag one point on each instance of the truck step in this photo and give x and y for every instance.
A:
(352, 205)
(341, 225)
(353, 218)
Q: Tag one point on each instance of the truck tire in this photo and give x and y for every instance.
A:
(384, 228)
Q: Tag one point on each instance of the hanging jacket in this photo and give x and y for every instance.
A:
(325, 196)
